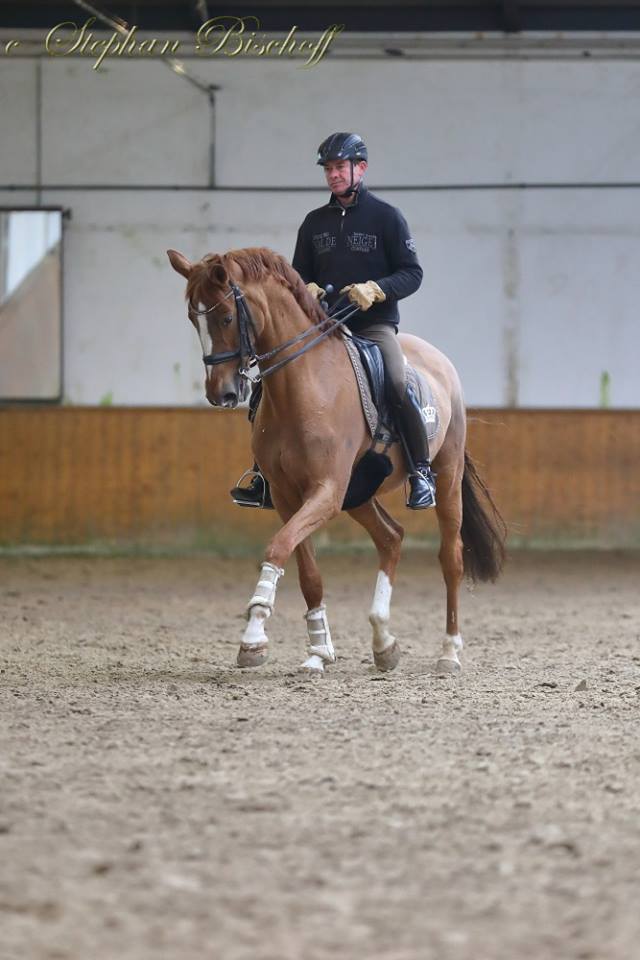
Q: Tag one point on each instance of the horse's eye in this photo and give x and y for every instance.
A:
(226, 321)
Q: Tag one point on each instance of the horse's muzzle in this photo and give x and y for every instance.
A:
(227, 392)
(228, 400)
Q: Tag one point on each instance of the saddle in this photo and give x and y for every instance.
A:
(368, 367)
(375, 465)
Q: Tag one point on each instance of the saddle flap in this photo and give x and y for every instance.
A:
(366, 360)
(362, 379)
(373, 364)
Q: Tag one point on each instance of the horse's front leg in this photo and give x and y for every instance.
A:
(254, 644)
(320, 645)
(323, 503)
(253, 647)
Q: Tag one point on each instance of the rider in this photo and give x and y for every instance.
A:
(362, 247)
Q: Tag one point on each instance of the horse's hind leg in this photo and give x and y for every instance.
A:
(387, 535)
(320, 646)
(449, 512)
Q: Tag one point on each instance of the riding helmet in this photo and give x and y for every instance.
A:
(342, 146)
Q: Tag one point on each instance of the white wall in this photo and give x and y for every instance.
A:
(532, 293)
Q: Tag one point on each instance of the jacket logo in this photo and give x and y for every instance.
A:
(362, 242)
(410, 244)
(323, 242)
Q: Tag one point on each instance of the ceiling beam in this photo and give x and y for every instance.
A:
(452, 16)
(511, 14)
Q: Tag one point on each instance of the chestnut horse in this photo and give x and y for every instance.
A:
(310, 432)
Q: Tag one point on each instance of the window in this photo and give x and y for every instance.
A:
(31, 304)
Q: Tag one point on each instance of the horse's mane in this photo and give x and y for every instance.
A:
(255, 264)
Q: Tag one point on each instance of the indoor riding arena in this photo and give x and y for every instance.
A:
(376, 790)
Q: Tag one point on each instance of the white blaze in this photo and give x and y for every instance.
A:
(203, 332)
(206, 341)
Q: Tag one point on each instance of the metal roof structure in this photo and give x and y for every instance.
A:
(507, 16)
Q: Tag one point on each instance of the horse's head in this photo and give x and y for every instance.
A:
(213, 311)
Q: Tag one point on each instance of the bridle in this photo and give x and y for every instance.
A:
(246, 352)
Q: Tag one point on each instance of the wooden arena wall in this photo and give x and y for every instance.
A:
(157, 476)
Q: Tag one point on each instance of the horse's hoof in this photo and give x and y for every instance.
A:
(388, 658)
(313, 667)
(252, 656)
(444, 666)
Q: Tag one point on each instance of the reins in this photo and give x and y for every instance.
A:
(337, 317)
(246, 351)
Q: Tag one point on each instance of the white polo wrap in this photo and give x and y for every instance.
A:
(265, 593)
(320, 644)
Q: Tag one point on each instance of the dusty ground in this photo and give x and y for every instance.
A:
(157, 802)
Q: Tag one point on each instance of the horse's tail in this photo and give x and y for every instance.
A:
(483, 530)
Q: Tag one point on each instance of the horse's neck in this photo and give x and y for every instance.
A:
(309, 378)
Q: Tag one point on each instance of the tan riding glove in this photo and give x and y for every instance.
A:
(316, 291)
(364, 294)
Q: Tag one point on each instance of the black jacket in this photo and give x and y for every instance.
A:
(368, 240)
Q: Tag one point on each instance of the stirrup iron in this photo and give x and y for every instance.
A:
(246, 503)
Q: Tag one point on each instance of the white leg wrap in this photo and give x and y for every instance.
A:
(320, 644)
(265, 592)
(379, 614)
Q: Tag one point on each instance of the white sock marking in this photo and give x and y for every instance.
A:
(451, 647)
(379, 614)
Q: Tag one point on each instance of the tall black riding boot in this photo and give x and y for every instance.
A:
(422, 479)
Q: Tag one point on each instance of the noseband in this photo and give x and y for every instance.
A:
(246, 353)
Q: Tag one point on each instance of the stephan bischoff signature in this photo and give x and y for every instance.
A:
(220, 36)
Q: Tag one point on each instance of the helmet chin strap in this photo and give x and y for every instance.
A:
(353, 188)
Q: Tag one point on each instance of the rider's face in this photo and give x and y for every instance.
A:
(338, 174)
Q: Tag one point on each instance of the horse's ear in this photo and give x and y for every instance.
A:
(179, 263)
(219, 275)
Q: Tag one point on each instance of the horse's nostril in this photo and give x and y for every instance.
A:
(230, 400)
